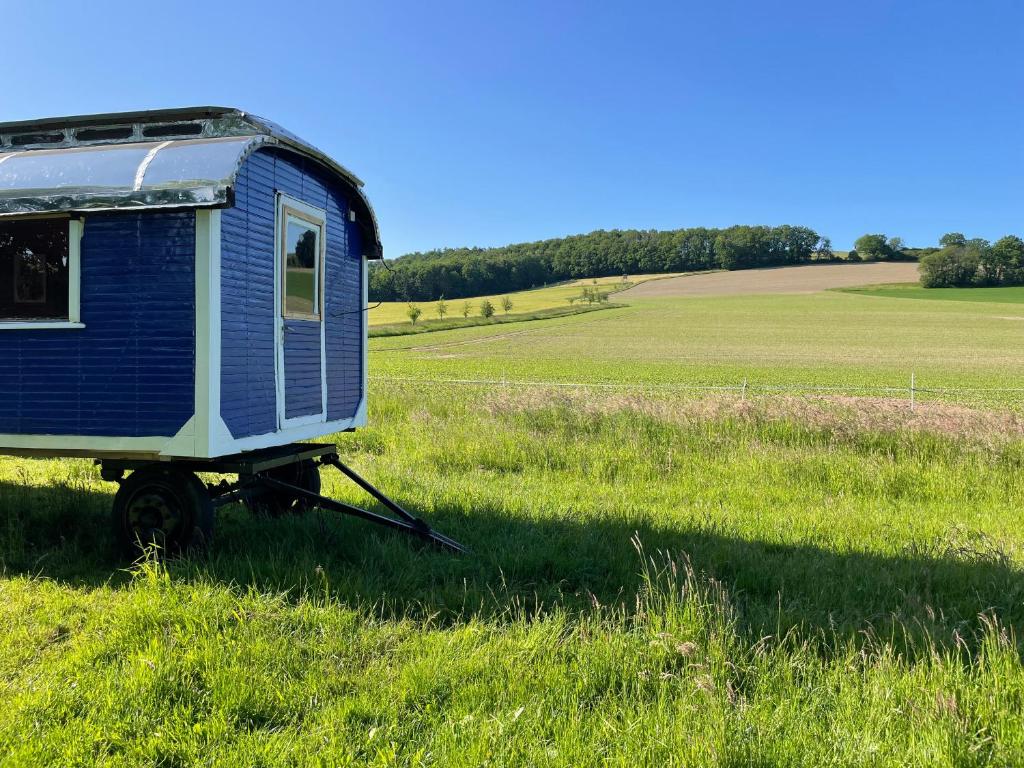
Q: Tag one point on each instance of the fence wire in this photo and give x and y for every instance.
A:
(744, 388)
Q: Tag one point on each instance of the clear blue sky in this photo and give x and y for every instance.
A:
(485, 123)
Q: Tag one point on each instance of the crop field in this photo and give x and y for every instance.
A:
(535, 300)
(807, 278)
(659, 575)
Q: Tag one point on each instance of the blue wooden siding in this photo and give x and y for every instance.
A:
(248, 393)
(302, 382)
(131, 371)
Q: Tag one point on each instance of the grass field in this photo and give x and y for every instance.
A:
(1000, 295)
(657, 577)
(828, 339)
(534, 300)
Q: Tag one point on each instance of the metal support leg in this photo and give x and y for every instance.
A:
(407, 523)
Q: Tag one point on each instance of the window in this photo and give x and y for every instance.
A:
(302, 245)
(39, 270)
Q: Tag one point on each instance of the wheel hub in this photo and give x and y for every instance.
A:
(154, 510)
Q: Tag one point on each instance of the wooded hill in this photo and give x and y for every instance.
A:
(461, 272)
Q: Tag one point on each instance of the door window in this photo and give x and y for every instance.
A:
(302, 246)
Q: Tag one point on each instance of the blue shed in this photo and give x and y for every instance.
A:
(177, 283)
(184, 291)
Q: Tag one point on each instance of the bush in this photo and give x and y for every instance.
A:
(953, 266)
(486, 308)
(413, 313)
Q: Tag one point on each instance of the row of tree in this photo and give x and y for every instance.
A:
(960, 262)
(460, 272)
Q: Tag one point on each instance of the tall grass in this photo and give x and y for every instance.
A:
(653, 582)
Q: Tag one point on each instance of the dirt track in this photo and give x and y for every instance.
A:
(802, 279)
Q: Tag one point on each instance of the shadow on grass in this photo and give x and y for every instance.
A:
(63, 533)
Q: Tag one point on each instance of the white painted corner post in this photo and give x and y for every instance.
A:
(208, 341)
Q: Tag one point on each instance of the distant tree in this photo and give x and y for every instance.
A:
(872, 247)
(852, 255)
(952, 238)
(1005, 262)
(953, 266)
(467, 307)
(413, 312)
(823, 250)
(467, 272)
(305, 251)
(896, 245)
(442, 307)
(739, 248)
(486, 309)
(506, 304)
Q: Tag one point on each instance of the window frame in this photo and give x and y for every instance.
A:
(289, 207)
(76, 228)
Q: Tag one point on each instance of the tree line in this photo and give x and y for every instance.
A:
(960, 262)
(461, 272)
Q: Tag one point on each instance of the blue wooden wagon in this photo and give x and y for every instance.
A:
(184, 291)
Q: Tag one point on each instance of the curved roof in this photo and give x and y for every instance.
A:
(142, 160)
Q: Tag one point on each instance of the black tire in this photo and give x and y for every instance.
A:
(275, 503)
(163, 506)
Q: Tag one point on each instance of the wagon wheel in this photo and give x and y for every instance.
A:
(163, 506)
(275, 503)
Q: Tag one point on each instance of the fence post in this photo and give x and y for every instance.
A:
(744, 395)
(913, 392)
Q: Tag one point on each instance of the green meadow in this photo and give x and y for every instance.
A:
(659, 575)
(854, 343)
(997, 295)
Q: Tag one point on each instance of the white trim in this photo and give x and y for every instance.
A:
(301, 207)
(79, 443)
(76, 228)
(319, 215)
(323, 337)
(290, 435)
(181, 446)
(278, 320)
(360, 417)
(41, 325)
(7, 156)
(208, 326)
(140, 172)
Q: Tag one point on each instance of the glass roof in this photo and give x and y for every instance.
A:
(189, 172)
